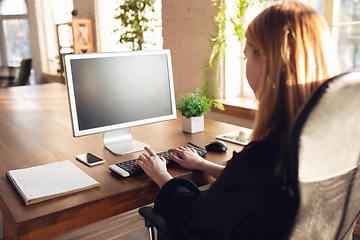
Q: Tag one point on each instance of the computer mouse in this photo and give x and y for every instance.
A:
(216, 146)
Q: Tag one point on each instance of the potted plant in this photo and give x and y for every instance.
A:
(192, 108)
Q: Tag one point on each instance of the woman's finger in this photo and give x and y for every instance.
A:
(142, 157)
(150, 151)
(138, 162)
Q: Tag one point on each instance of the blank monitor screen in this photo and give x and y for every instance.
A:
(110, 91)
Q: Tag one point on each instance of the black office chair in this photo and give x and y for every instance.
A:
(325, 151)
(25, 69)
(324, 172)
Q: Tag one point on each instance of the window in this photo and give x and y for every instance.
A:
(346, 32)
(344, 19)
(236, 84)
(14, 32)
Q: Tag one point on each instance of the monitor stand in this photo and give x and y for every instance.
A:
(121, 142)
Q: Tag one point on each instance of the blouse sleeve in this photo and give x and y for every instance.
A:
(231, 200)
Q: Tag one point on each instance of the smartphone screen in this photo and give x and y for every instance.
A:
(92, 158)
(89, 159)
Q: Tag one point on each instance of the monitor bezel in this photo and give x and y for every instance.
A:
(71, 93)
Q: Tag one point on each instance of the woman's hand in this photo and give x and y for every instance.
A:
(190, 158)
(154, 167)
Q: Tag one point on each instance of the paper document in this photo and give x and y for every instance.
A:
(36, 184)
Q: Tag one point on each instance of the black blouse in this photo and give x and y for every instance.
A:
(247, 201)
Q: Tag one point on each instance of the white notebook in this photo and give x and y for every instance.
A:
(36, 184)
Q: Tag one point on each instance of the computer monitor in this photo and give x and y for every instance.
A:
(112, 92)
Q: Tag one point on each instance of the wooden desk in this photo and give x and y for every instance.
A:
(35, 129)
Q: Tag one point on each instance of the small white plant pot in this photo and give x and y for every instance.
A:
(193, 125)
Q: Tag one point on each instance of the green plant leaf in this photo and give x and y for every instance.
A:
(133, 22)
(193, 105)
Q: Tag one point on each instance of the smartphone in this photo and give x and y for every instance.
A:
(90, 159)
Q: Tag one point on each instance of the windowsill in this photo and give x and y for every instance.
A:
(239, 107)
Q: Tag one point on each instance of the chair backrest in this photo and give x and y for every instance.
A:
(25, 68)
(325, 154)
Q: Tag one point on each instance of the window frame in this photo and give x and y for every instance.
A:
(3, 53)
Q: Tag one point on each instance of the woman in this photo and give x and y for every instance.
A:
(288, 56)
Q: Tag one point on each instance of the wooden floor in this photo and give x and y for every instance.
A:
(126, 226)
(140, 234)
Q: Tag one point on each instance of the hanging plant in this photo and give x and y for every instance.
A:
(238, 19)
(134, 23)
(211, 68)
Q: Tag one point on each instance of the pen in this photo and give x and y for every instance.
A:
(194, 144)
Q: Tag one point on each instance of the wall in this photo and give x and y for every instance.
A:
(86, 9)
(222, 117)
(35, 52)
(187, 27)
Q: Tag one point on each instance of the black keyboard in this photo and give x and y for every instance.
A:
(127, 168)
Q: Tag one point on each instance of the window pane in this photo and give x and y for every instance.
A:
(65, 36)
(12, 7)
(348, 42)
(16, 32)
(346, 32)
(317, 4)
(346, 11)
